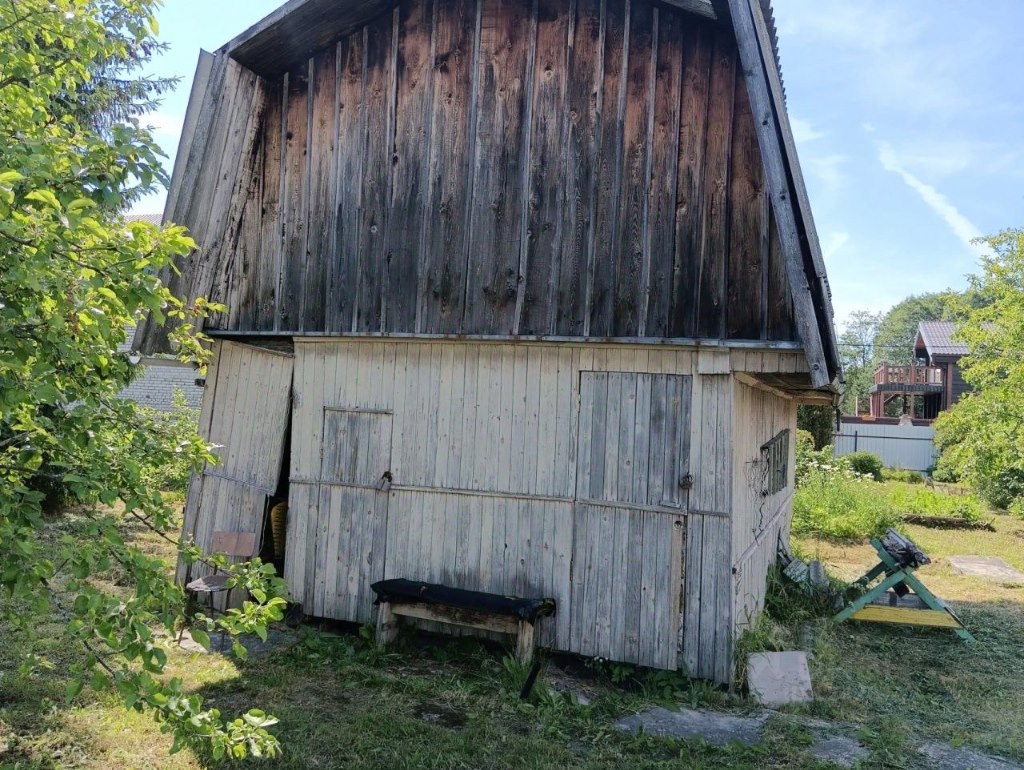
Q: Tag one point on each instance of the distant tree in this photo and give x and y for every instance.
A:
(982, 436)
(819, 421)
(856, 350)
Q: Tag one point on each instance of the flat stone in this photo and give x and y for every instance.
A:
(945, 757)
(987, 567)
(838, 749)
(715, 728)
(779, 678)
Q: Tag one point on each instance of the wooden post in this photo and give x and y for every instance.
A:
(387, 624)
(524, 642)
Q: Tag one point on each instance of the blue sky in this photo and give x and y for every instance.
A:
(909, 121)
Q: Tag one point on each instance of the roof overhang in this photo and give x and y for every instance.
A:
(299, 28)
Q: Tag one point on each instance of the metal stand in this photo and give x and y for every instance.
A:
(891, 601)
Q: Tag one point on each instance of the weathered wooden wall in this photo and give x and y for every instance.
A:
(583, 168)
(757, 518)
(489, 446)
(232, 495)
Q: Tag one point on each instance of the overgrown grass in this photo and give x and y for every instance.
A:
(453, 703)
(926, 684)
(841, 508)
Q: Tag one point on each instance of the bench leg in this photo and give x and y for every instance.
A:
(524, 642)
(387, 624)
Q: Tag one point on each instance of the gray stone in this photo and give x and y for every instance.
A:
(944, 757)
(987, 567)
(779, 678)
(717, 729)
(838, 749)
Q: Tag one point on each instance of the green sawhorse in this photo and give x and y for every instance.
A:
(900, 597)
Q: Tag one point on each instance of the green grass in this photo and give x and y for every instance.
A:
(453, 703)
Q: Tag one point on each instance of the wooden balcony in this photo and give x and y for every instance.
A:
(908, 379)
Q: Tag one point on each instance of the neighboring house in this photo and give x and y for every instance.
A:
(522, 298)
(935, 347)
(922, 390)
(930, 385)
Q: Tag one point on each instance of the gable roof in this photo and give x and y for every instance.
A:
(300, 27)
(936, 337)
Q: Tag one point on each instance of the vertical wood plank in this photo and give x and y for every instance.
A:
(270, 199)
(441, 297)
(495, 214)
(323, 133)
(295, 200)
(608, 165)
(545, 197)
(718, 153)
(689, 219)
(410, 169)
(377, 152)
(634, 194)
(747, 222)
(342, 269)
(664, 165)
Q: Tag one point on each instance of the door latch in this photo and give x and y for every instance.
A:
(384, 483)
(686, 482)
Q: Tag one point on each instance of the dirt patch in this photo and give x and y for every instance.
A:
(439, 714)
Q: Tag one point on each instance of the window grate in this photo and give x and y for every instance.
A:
(775, 461)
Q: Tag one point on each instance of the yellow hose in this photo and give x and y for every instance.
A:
(278, 527)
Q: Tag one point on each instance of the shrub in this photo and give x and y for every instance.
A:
(899, 474)
(865, 463)
(841, 506)
(1016, 508)
(179, 423)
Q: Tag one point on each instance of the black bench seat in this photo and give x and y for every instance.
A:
(458, 606)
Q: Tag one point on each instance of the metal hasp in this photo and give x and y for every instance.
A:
(900, 597)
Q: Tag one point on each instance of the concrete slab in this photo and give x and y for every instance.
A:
(987, 567)
(715, 728)
(941, 756)
(779, 678)
(840, 750)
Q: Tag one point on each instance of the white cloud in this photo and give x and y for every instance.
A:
(833, 242)
(164, 122)
(803, 131)
(960, 225)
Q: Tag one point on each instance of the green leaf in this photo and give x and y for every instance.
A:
(44, 196)
(239, 650)
(201, 637)
(72, 689)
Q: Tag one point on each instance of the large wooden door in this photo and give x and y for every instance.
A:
(628, 519)
(245, 416)
(352, 513)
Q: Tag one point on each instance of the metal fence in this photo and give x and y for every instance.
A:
(900, 446)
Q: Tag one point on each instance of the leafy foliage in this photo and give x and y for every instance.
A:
(865, 463)
(982, 437)
(73, 274)
(818, 421)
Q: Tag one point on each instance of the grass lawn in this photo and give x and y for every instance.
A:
(453, 703)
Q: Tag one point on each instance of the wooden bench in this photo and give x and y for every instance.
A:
(473, 609)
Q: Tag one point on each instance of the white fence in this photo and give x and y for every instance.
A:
(900, 446)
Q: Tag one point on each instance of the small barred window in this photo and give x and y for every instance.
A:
(775, 461)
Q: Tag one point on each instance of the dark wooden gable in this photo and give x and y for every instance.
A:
(573, 168)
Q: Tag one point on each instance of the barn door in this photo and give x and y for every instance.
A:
(628, 518)
(245, 416)
(353, 512)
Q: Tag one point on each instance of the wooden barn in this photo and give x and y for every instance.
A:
(522, 297)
